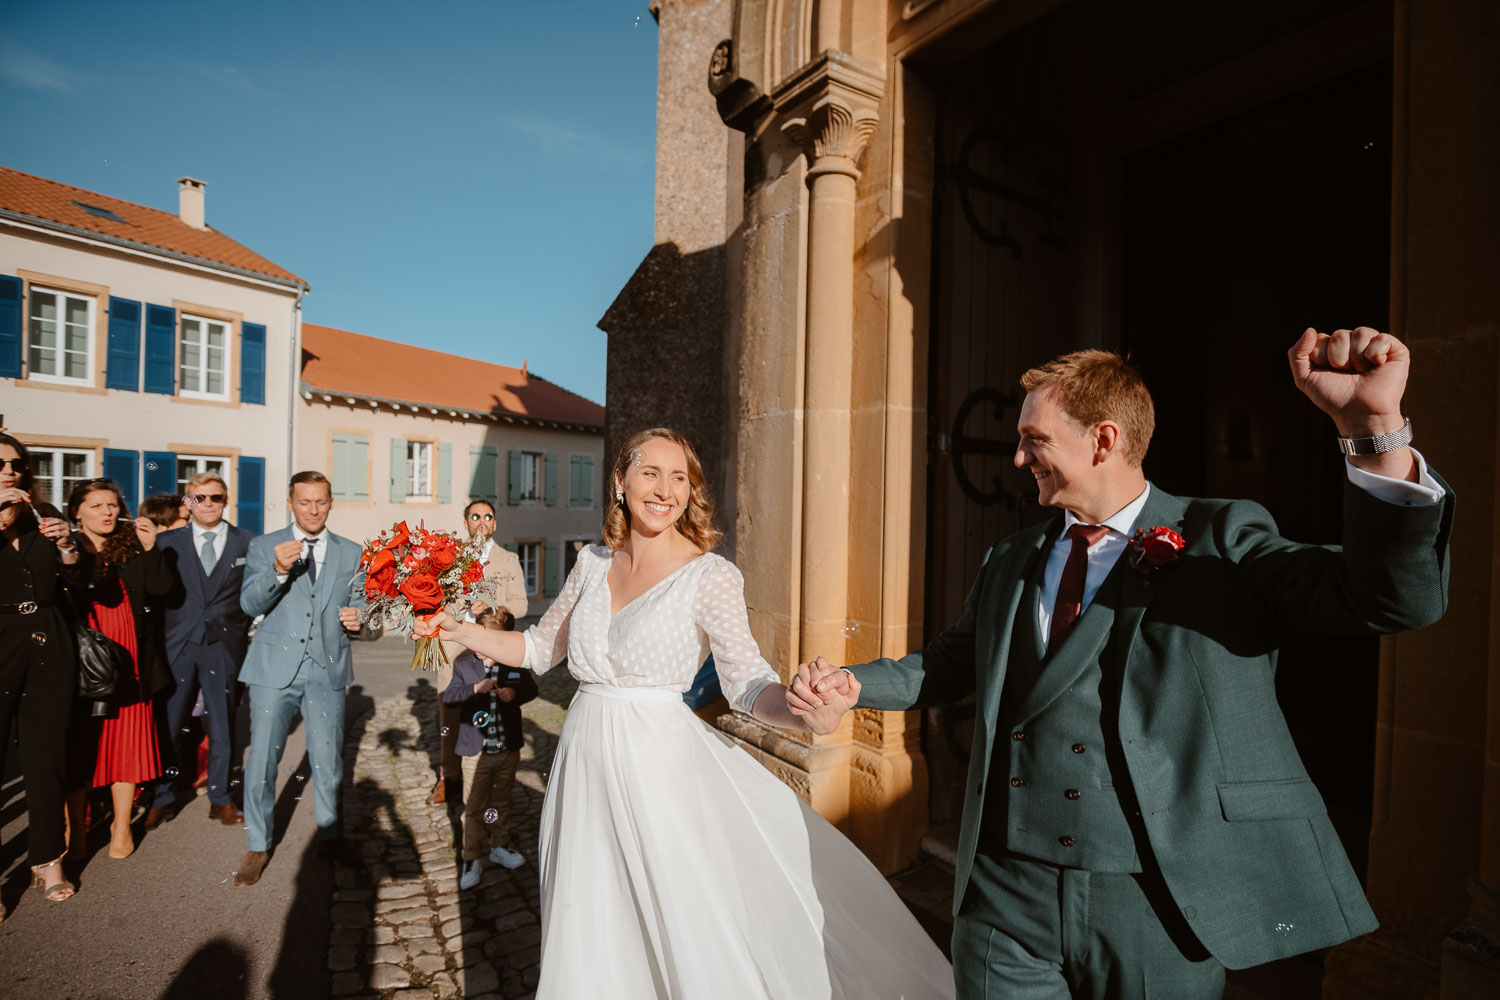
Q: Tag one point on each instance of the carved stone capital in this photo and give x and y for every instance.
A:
(832, 130)
(830, 109)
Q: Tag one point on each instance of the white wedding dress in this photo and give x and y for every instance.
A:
(673, 865)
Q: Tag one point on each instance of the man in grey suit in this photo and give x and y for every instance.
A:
(1136, 817)
(303, 580)
(207, 634)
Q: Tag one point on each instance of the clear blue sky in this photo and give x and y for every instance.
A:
(474, 177)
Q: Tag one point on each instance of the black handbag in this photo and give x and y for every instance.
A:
(98, 664)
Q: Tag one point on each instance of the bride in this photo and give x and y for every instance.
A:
(673, 865)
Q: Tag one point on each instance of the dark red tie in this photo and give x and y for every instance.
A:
(1070, 591)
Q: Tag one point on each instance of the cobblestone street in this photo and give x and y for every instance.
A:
(402, 928)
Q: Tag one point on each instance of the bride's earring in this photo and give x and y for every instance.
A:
(619, 497)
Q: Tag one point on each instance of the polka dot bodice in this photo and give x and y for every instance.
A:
(658, 640)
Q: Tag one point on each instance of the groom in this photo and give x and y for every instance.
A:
(1137, 817)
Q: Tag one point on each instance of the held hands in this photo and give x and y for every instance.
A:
(145, 530)
(287, 554)
(820, 694)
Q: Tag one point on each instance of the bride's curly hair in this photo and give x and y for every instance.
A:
(696, 523)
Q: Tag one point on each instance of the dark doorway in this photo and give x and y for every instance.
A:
(1235, 238)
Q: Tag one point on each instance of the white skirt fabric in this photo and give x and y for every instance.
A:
(675, 866)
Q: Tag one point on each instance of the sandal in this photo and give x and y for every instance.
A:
(57, 891)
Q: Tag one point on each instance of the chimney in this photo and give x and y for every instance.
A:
(524, 372)
(190, 201)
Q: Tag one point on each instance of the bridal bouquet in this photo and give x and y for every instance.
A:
(415, 573)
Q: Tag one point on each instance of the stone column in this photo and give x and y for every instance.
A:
(832, 136)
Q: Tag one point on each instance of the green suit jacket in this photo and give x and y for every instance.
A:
(1239, 831)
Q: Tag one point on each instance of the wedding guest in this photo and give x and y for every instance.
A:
(306, 581)
(207, 634)
(38, 676)
(124, 580)
(502, 568)
(167, 511)
(488, 698)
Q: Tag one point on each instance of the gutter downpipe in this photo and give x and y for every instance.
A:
(294, 380)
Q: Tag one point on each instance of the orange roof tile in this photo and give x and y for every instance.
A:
(337, 361)
(54, 201)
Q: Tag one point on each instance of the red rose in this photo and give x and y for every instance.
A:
(442, 557)
(1161, 545)
(474, 573)
(422, 592)
(380, 579)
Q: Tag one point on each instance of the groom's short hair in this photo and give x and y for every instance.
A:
(1094, 386)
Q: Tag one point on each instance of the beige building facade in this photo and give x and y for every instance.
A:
(143, 346)
(418, 448)
(873, 215)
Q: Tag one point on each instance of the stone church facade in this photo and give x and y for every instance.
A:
(872, 215)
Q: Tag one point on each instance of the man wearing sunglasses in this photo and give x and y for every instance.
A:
(207, 635)
(502, 568)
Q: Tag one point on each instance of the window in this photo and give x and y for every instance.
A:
(203, 358)
(57, 471)
(570, 549)
(189, 466)
(418, 470)
(531, 474)
(530, 554)
(62, 336)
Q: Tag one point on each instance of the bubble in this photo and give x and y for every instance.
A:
(490, 815)
(152, 467)
(445, 731)
(851, 628)
(481, 719)
(186, 729)
(171, 772)
(301, 777)
(40, 638)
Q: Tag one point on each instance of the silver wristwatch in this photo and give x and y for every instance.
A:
(1379, 444)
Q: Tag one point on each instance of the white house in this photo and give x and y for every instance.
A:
(143, 346)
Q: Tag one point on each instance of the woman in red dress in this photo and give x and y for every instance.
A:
(125, 579)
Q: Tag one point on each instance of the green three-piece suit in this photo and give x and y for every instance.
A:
(1149, 745)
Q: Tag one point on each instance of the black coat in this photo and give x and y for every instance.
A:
(35, 573)
(148, 580)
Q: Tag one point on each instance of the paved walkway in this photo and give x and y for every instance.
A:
(402, 928)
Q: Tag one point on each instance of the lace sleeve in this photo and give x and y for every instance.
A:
(719, 610)
(547, 640)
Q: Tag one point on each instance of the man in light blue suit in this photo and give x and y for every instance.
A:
(303, 578)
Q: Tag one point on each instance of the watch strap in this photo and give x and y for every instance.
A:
(1379, 444)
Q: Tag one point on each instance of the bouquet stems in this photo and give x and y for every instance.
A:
(430, 654)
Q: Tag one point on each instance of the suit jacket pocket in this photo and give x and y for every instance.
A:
(1287, 798)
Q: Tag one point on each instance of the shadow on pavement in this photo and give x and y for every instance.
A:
(219, 969)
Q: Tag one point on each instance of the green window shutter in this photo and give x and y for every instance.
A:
(553, 561)
(584, 494)
(398, 470)
(340, 473)
(445, 472)
(359, 468)
(513, 483)
(511, 547)
(551, 494)
(474, 453)
(489, 467)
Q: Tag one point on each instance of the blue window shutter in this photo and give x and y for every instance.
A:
(161, 473)
(359, 468)
(513, 490)
(339, 473)
(123, 370)
(398, 470)
(252, 363)
(124, 468)
(551, 493)
(445, 472)
(10, 326)
(553, 559)
(161, 349)
(251, 511)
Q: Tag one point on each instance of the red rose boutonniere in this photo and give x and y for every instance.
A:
(1154, 548)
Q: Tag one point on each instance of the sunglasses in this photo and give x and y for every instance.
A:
(476, 516)
(13, 464)
(208, 498)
